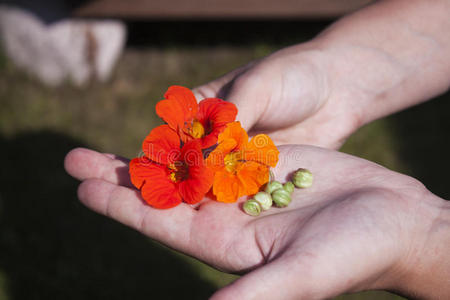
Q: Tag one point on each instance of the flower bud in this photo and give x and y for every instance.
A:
(289, 187)
(264, 199)
(302, 178)
(281, 197)
(252, 207)
(272, 186)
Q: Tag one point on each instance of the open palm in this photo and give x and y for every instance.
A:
(348, 232)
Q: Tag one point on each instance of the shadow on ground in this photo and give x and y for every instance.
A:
(423, 134)
(54, 248)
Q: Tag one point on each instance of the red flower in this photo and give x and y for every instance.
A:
(166, 175)
(204, 121)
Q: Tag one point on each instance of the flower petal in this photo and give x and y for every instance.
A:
(234, 131)
(179, 110)
(199, 179)
(219, 111)
(153, 181)
(262, 149)
(215, 159)
(162, 145)
(185, 98)
(252, 176)
(160, 196)
(138, 170)
(211, 138)
(191, 154)
(214, 114)
(172, 113)
(226, 187)
(195, 187)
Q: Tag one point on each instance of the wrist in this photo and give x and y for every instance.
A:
(425, 270)
(386, 58)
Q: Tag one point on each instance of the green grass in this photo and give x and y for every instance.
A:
(53, 247)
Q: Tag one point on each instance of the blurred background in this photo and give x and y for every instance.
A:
(88, 73)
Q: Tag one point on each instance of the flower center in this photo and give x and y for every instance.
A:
(179, 171)
(232, 161)
(197, 130)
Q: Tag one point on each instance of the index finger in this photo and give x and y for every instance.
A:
(169, 226)
(83, 163)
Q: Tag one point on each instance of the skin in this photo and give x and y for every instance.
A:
(370, 64)
(359, 226)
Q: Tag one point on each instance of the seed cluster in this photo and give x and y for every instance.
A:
(277, 193)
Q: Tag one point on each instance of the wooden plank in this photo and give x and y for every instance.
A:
(223, 9)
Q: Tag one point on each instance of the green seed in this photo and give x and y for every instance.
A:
(272, 186)
(252, 207)
(264, 199)
(303, 178)
(289, 187)
(281, 197)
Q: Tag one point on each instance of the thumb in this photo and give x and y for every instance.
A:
(276, 280)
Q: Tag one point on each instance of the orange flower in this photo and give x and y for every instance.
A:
(240, 167)
(204, 121)
(166, 175)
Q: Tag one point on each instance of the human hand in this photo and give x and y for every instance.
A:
(288, 96)
(363, 67)
(360, 226)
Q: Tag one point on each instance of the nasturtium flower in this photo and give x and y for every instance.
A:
(168, 173)
(204, 121)
(240, 166)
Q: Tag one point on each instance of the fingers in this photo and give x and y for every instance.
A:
(249, 101)
(84, 163)
(219, 87)
(239, 94)
(106, 190)
(171, 226)
(235, 87)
